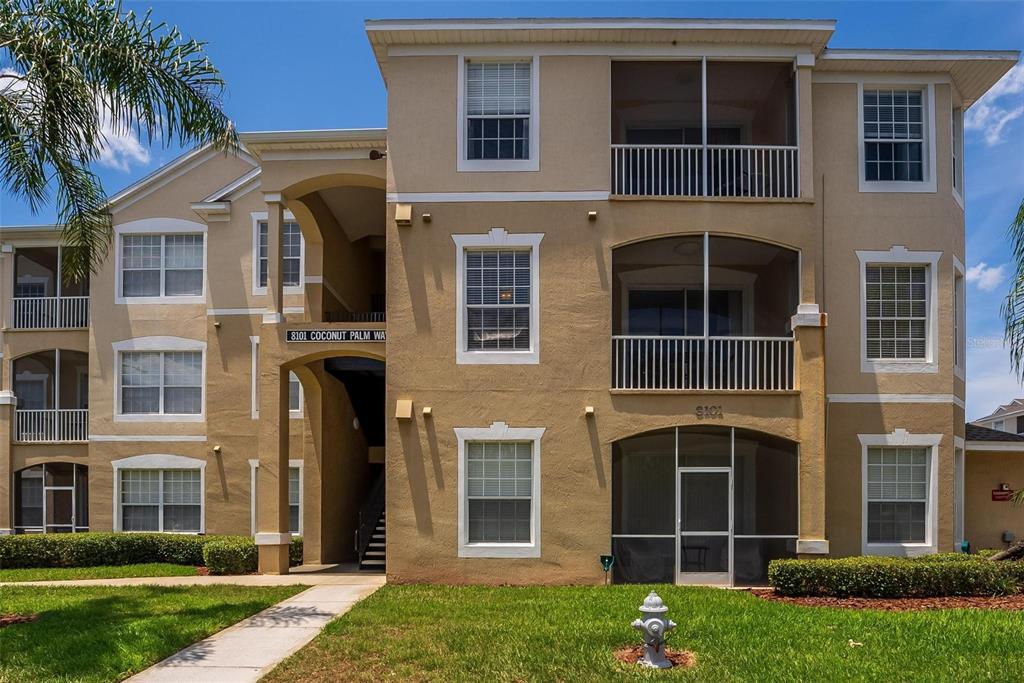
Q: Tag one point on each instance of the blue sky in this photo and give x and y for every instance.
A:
(299, 65)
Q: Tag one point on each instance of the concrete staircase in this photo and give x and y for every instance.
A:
(372, 559)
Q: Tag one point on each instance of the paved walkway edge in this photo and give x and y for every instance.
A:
(247, 651)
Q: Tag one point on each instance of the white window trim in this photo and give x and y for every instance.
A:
(901, 437)
(499, 431)
(469, 165)
(160, 461)
(957, 180)
(159, 226)
(298, 412)
(959, 320)
(158, 344)
(497, 238)
(289, 217)
(928, 184)
(254, 390)
(902, 256)
(254, 465)
(959, 489)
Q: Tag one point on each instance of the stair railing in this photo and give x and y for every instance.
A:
(369, 515)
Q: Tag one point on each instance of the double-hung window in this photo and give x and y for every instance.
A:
(291, 254)
(497, 297)
(294, 394)
(161, 382)
(154, 266)
(498, 300)
(894, 135)
(897, 494)
(161, 500)
(896, 306)
(499, 485)
(498, 110)
(294, 495)
(499, 491)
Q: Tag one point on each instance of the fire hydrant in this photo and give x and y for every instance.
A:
(655, 626)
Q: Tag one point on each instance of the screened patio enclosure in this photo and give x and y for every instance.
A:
(702, 505)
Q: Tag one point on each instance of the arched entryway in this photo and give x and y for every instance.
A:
(51, 497)
(703, 505)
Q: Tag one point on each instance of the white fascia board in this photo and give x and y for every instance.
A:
(372, 25)
(897, 55)
(226, 192)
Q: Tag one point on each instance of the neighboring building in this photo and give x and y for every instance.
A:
(603, 253)
(1007, 418)
(992, 469)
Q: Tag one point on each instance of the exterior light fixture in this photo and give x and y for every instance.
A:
(403, 215)
(216, 449)
(591, 216)
(589, 411)
(427, 218)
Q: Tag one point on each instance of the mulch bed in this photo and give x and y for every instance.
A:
(631, 654)
(202, 571)
(1007, 602)
(12, 619)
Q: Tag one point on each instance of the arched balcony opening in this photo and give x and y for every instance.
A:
(703, 505)
(52, 388)
(51, 498)
(703, 313)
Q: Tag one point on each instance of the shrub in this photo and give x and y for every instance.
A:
(94, 549)
(230, 556)
(239, 555)
(880, 577)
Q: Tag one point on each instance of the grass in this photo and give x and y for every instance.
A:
(437, 633)
(119, 572)
(94, 633)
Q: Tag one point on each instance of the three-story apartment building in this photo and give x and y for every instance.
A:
(686, 292)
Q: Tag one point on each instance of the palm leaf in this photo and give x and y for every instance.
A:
(66, 66)
(1013, 306)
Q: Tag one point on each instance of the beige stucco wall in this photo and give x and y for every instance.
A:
(985, 520)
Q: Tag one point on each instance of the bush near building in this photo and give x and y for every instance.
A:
(890, 577)
(95, 549)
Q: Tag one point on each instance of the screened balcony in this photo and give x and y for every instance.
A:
(704, 129)
(703, 313)
(43, 298)
(52, 388)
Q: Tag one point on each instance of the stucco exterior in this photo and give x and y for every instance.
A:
(381, 212)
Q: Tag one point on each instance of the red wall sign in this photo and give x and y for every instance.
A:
(1001, 495)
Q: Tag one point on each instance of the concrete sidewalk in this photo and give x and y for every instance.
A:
(306, 575)
(253, 646)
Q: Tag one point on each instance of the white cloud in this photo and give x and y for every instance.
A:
(117, 149)
(990, 382)
(986, 277)
(998, 107)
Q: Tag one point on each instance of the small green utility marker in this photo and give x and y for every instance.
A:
(606, 564)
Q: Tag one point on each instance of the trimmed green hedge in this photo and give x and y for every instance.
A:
(890, 577)
(238, 555)
(94, 549)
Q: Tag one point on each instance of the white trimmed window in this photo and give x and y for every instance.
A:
(498, 115)
(293, 253)
(896, 300)
(161, 265)
(160, 500)
(159, 379)
(497, 297)
(294, 395)
(499, 491)
(295, 494)
(900, 490)
(897, 140)
(957, 128)
(959, 320)
(897, 497)
(999, 425)
(899, 312)
(161, 382)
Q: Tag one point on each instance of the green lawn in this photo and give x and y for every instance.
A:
(120, 572)
(107, 633)
(434, 633)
